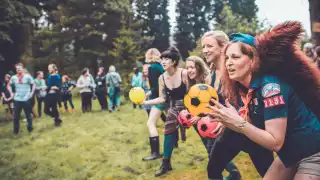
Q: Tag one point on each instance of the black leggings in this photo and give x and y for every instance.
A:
(102, 98)
(228, 145)
(65, 99)
(86, 101)
(50, 106)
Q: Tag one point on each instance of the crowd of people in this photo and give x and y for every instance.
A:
(21, 92)
(268, 100)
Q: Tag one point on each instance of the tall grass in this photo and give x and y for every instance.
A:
(98, 145)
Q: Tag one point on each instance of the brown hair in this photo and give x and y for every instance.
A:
(201, 67)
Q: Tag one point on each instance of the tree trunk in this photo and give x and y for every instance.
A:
(314, 7)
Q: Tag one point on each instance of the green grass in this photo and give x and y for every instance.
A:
(98, 145)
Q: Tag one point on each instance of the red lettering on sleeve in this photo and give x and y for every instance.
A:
(273, 101)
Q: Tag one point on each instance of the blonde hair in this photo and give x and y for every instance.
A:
(152, 55)
(112, 68)
(220, 36)
(54, 66)
(202, 69)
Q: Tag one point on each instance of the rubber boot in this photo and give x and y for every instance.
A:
(154, 145)
(165, 167)
(234, 173)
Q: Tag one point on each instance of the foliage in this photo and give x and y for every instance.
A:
(192, 21)
(232, 23)
(15, 24)
(86, 27)
(153, 15)
(246, 8)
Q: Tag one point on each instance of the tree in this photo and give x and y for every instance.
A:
(232, 23)
(193, 20)
(246, 8)
(315, 18)
(88, 27)
(184, 36)
(155, 21)
(202, 15)
(126, 49)
(15, 31)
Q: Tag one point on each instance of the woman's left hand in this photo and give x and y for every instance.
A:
(228, 115)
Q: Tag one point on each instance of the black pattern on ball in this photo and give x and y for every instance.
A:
(201, 115)
(195, 101)
(204, 127)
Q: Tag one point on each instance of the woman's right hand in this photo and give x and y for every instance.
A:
(195, 119)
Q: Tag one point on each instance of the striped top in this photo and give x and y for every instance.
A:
(22, 87)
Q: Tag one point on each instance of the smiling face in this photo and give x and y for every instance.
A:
(191, 69)
(239, 65)
(211, 49)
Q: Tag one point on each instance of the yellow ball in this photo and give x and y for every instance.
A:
(137, 95)
(198, 98)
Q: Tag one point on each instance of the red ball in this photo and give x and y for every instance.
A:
(184, 118)
(205, 127)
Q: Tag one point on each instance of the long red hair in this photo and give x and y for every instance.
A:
(279, 54)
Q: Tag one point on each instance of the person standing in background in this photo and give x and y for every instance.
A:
(87, 86)
(101, 89)
(41, 91)
(6, 100)
(113, 81)
(66, 94)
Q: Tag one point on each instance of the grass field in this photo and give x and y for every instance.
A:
(98, 145)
